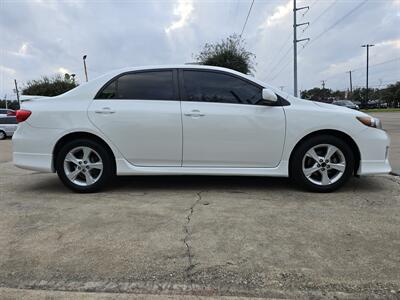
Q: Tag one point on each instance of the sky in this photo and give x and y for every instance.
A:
(39, 37)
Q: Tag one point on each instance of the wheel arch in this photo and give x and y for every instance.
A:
(337, 133)
(82, 135)
(5, 133)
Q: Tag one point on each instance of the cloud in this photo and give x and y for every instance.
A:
(183, 10)
(394, 43)
(62, 71)
(9, 71)
(50, 35)
(279, 14)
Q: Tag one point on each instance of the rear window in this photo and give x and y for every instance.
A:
(152, 85)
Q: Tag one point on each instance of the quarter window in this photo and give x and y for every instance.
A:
(205, 86)
(154, 85)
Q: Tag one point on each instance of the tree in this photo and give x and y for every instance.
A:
(49, 86)
(11, 104)
(389, 94)
(230, 53)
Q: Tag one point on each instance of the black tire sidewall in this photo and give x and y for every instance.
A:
(297, 170)
(3, 135)
(105, 157)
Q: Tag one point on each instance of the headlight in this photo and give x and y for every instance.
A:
(370, 122)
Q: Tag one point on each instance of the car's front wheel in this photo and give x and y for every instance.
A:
(84, 165)
(322, 163)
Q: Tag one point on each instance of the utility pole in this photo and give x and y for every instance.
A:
(16, 90)
(323, 89)
(5, 99)
(367, 46)
(295, 41)
(351, 82)
(84, 66)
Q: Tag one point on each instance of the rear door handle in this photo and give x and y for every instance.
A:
(105, 111)
(194, 113)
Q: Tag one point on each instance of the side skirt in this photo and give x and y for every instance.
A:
(125, 168)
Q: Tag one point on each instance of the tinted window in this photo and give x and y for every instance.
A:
(218, 87)
(110, 91)
(156, 85)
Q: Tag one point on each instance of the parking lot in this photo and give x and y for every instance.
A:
(238, 236)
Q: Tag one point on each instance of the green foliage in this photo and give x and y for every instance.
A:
(324, 95)
(389, 95)
(230, 53)
(49, 86)
(10, 104)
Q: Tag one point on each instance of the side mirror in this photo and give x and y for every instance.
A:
(269, 96)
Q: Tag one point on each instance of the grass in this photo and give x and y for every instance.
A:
(381, 110)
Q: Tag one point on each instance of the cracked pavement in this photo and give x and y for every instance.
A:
(210, 236)
(187, 239)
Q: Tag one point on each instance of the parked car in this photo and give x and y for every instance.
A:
(187, 119)
(383, 105)
(6, 112)
(346, 103)
(8, 125)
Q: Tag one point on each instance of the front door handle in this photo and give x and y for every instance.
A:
(105, 111)
(195, 114)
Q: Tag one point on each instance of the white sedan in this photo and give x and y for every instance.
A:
(187, 119)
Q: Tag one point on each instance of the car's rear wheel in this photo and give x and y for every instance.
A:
(84, 166)
(2, 135)
(322, 163)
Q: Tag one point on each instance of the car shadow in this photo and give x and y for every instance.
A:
(238, 183)
(233, 184)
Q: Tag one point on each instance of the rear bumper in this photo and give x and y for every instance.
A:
(33, 161)
(33, 147)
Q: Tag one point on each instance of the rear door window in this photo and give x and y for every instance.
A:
(151, 85)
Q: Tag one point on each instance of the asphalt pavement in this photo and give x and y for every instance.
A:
(209, 236)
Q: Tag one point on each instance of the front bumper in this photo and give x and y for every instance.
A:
(374, 150)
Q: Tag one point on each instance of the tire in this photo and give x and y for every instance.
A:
(2, 135)
(84, 166)
(331, 173)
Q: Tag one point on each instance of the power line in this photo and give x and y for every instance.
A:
(283, 68)
(371, 66)
(337, 22)
(247, 18)
(381, 63)
(279, 61)
(323, 13)
(284, 44)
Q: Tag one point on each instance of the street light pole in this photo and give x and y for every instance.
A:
(84, 66)
(367, 46)
(16, 90)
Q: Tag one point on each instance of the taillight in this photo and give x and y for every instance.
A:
(22, 115)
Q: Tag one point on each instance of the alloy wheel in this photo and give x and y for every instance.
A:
(83, 166)
(324, 164)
